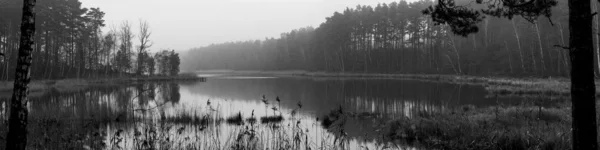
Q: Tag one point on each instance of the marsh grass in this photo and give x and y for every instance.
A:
(193, 119)
(163, 135)
(486, 128)
(503, 86)
(514, 127)
(527, 126)
(236, 119)
(251, 120)
(152, 129)
(524, 126)
(242, 136)
(271, 119)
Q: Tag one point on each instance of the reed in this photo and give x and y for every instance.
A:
(486, 128)
(271, 119)
(236, 119)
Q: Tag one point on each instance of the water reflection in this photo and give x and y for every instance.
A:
(383, 96)
(197, 110)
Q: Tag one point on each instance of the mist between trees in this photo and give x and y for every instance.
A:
(397, 38)
(69, 43)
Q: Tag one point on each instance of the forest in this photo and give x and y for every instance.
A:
(438, 70)
(70, 43)
(398, 38)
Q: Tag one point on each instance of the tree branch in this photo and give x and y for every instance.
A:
(550, 20)
(593, 14)
(519, 5)
(563, 47)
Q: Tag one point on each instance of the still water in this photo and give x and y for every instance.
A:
(193, 115)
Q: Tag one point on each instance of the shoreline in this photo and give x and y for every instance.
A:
(38, 87)
(496, 86)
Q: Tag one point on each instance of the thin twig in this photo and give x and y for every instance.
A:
(563, 47)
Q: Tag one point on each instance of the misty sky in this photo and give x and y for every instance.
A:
(184, 24)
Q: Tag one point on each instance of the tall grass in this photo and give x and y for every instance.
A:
(504, 127)
(244, 134)
(486, 128)
(152, 129)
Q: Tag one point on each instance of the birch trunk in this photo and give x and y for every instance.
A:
(457, 55)
(537, 29)
(509, 58)
(519, 45)
(564, 55)
(596, 32)
(17, 128)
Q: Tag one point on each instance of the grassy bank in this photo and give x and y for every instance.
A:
(37, 87)
(487, 128)
(500, 86)
(510, 127)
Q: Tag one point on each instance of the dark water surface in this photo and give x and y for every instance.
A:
(174, 114)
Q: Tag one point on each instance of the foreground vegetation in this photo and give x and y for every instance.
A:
(487, 128)
(150, 128)
(502, 127)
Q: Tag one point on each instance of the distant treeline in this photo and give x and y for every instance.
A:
(69, 43)
(398, 38)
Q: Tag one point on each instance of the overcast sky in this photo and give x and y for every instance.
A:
(184, 24)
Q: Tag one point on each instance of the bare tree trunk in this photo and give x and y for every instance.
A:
(341, 60)
(596, 32)
(486, 40)
(583, 89)
(17, 128)
(7, 54)
(509, 59)
(6, 68)
(106, 61)
(451, 64)
(46, 54)
(114, 50)
(537, 29)
(533, 59)
(144, 44)
(474, 43)
(457, 55)
(564, 55)
(519, 45)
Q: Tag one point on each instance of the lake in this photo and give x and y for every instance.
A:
(288, 112)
